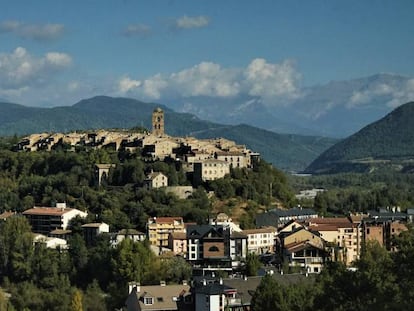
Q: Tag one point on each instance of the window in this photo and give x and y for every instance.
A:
(148, 301)
(213, 249)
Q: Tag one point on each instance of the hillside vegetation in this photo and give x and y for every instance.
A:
(389, 141)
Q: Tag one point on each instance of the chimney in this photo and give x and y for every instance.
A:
(132, 285)
(61, 206)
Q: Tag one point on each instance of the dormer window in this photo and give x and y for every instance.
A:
(148, 301)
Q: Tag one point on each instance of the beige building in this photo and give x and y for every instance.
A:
(155, 180)
(235, 159)
(159, 229)
(177, 242)
(342, 233)
(261, 241)
(210, 170)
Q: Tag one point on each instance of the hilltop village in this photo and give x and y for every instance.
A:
(227, 261)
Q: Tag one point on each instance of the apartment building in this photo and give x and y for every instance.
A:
(159, 229)
(261, 241)
(45, 219)
(343, 234)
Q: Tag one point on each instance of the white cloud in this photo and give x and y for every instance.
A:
(272, 80)
(56, 59)
(152, 87)
(40, 32)
(403, 95)
(187, 22)
(134, 30)
(126, 84)
(396, 94)
(20, 69)
(262, 79)
(206, 79)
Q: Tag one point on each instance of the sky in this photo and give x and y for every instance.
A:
(55, 52)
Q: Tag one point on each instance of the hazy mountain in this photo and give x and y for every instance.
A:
(288, 152)
(388, 141)
(336, 109)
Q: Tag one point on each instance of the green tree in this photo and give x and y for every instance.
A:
(76, 303)
(16, 248)
(252, 264)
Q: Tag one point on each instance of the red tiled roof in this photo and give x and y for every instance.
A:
(49, 211)
(6, 214)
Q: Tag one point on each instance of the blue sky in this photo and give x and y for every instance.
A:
(55, 52)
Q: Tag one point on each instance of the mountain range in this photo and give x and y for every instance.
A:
(388, 141)
(336, 109)
(285, 151)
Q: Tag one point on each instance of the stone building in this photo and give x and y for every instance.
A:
(158, 122)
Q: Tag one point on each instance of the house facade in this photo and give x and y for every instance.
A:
(261, 241)
(155, 180)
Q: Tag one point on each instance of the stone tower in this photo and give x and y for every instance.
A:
(158, 122)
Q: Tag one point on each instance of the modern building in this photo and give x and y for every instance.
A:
(45, 219)
(209, 296)
(279, 217)
(262, 240)
(213, 248)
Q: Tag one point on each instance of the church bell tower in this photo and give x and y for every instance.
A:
(158, 122)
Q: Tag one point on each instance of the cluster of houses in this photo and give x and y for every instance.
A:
(203, 159)
(286, 240)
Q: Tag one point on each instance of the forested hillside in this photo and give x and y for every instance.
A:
(389, 140)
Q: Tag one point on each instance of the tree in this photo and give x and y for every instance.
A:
(94, 298)
(252, 264)
(16, 248)
(76, 303)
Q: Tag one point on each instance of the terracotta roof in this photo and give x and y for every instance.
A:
(329, 220)
(49, 211)
(294, 247)
(6, 214)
